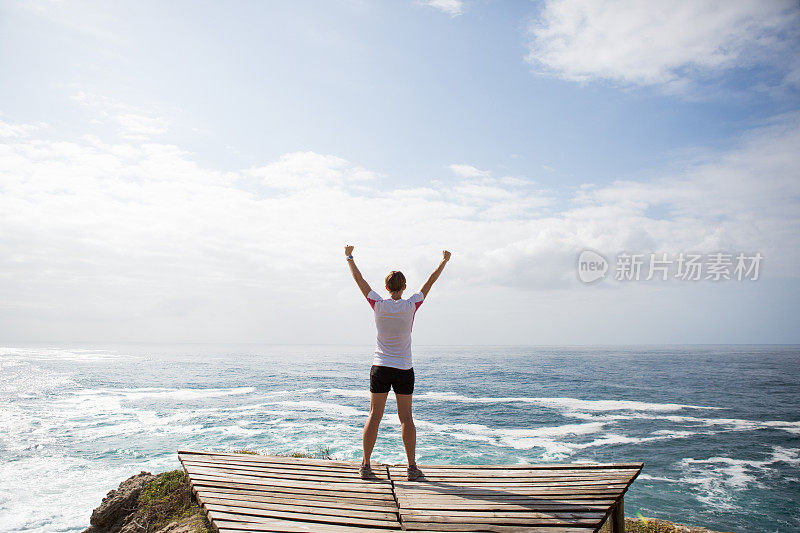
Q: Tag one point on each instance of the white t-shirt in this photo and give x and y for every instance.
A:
(394, 319)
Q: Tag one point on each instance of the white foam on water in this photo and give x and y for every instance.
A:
(735, 424)
(349, 393)
(164, 393)
(558, 450)
(233, 430)
(332, 409)
(40, 506)
(674, 434)
(603, 411)
(568, 404)
(562, 403)
(19, 381)
(657, 478)
(555, 431)
(714, 478)
(59, 354)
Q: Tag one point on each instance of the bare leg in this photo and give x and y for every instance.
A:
(407, 427)
(376, 404)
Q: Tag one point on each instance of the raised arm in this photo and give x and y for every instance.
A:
(362, 284)
(431, 280)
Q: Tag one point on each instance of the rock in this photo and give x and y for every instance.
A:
(110, 516)
(189, 524)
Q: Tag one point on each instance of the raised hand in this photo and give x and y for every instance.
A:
(446, 255)
(348, 250)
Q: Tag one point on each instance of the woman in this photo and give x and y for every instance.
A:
(391, 364)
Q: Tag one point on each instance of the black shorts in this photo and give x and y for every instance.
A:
(383, 378)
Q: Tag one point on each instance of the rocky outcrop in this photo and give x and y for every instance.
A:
(147, 503)
(654, 525)
(119, 504)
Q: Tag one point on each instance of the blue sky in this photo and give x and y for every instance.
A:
(189, 171)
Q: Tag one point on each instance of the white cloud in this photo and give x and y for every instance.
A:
(670, 44)
(17, 130)
(139, 234)
(302, 170)
(142, 126)
(451, 7)
(467, 171)
(133, 123)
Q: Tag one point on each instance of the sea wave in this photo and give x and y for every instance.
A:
(166, 393)
(564, 403)
(715, 477)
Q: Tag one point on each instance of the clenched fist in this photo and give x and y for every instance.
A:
(446, 255)
(348, 250)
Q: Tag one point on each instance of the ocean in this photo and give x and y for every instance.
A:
(717, 427)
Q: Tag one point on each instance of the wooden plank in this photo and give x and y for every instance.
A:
(278, 475)
(516, 499)
(421, 526)
(307, 469)
(483, 496)
(299, 507)
(221, 470)
(213, 484)
(472, 501)
(312, 501)
(277, 482)
(345, 490)
(351, 467)
(527, 472)
(504, 506)
(524, 466)
(225, 525)
(500, 516)
(256, 515)
(522, 479)
(506, 483)
(284, 469)
(509, 489)
(276, 458)
(525, 492)
(429, 520)
(293, 462)
(505, 479)
(500, 484)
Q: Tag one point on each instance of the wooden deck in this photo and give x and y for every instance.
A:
(242, 493)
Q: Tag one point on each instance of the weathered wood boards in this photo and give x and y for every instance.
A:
(263, 493)
(242, 493)
(511, 498)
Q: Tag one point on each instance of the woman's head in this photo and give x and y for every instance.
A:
(395, 281)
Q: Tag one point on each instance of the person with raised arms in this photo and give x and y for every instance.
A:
(392, 366)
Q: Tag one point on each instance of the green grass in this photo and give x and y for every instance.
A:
(168, 498)
(640, 526)
(322, 453)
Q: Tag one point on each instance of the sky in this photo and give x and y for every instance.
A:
(190, 171)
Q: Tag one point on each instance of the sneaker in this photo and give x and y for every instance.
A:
(366, 472)
(412, 473)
